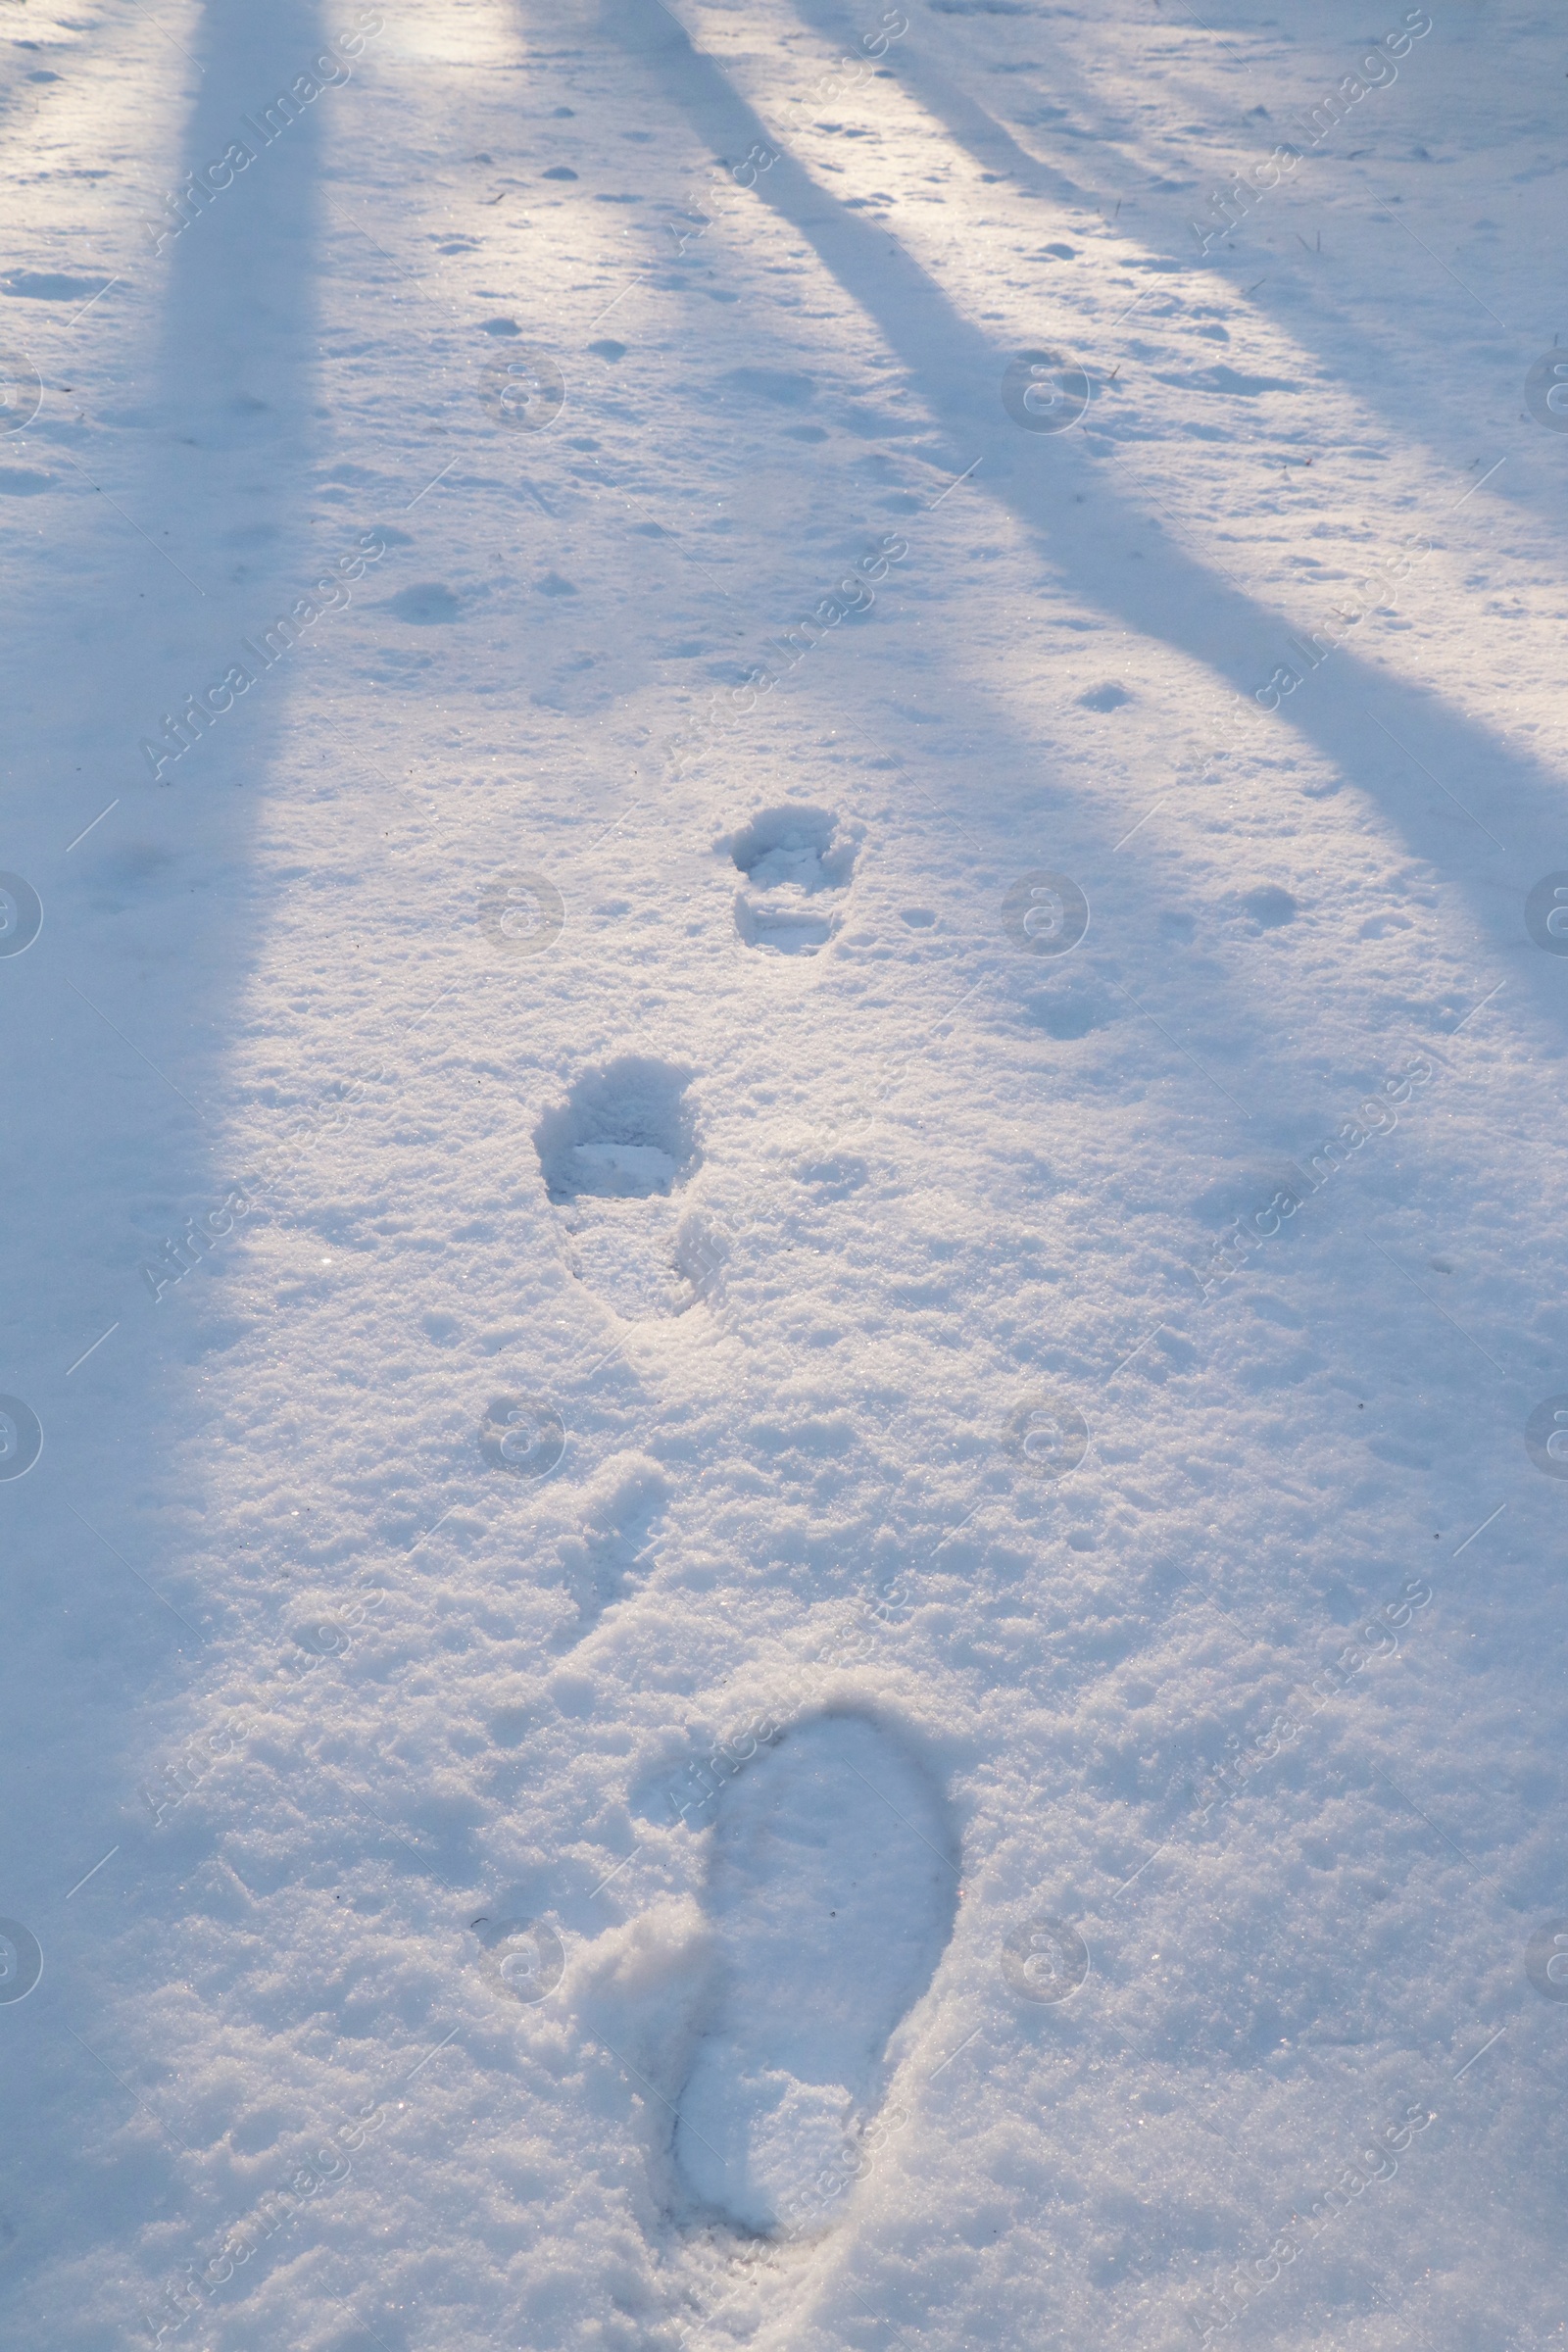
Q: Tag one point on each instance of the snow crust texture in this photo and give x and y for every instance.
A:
(784, 1361)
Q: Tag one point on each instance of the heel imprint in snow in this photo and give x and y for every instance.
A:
(624, 1132)
(611, 1156)
(831, 1894)
(792, 856)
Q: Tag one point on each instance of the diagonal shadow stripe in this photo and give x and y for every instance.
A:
(1111, 550)
(990, 144)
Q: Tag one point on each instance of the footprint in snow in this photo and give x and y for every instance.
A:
(612, 1154)
(791, 857)
(831, 1894)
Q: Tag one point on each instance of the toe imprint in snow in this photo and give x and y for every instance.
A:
(831, 1895)
(791, 858)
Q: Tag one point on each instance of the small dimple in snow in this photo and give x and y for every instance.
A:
(782, 386)
(427, 603)
(43, 285)
(1269, 906)
(1068, 1014)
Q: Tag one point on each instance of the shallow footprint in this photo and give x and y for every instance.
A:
(790, 856)
(610, 1156)
(609, 1554)
(831, 1894)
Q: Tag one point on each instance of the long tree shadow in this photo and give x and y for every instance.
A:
(1404, 744)
(1302, 123)
(180, 530)
(971, 127)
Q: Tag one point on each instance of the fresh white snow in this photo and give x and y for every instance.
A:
(786, 1351)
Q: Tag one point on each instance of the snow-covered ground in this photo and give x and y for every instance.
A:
(784, 1009)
